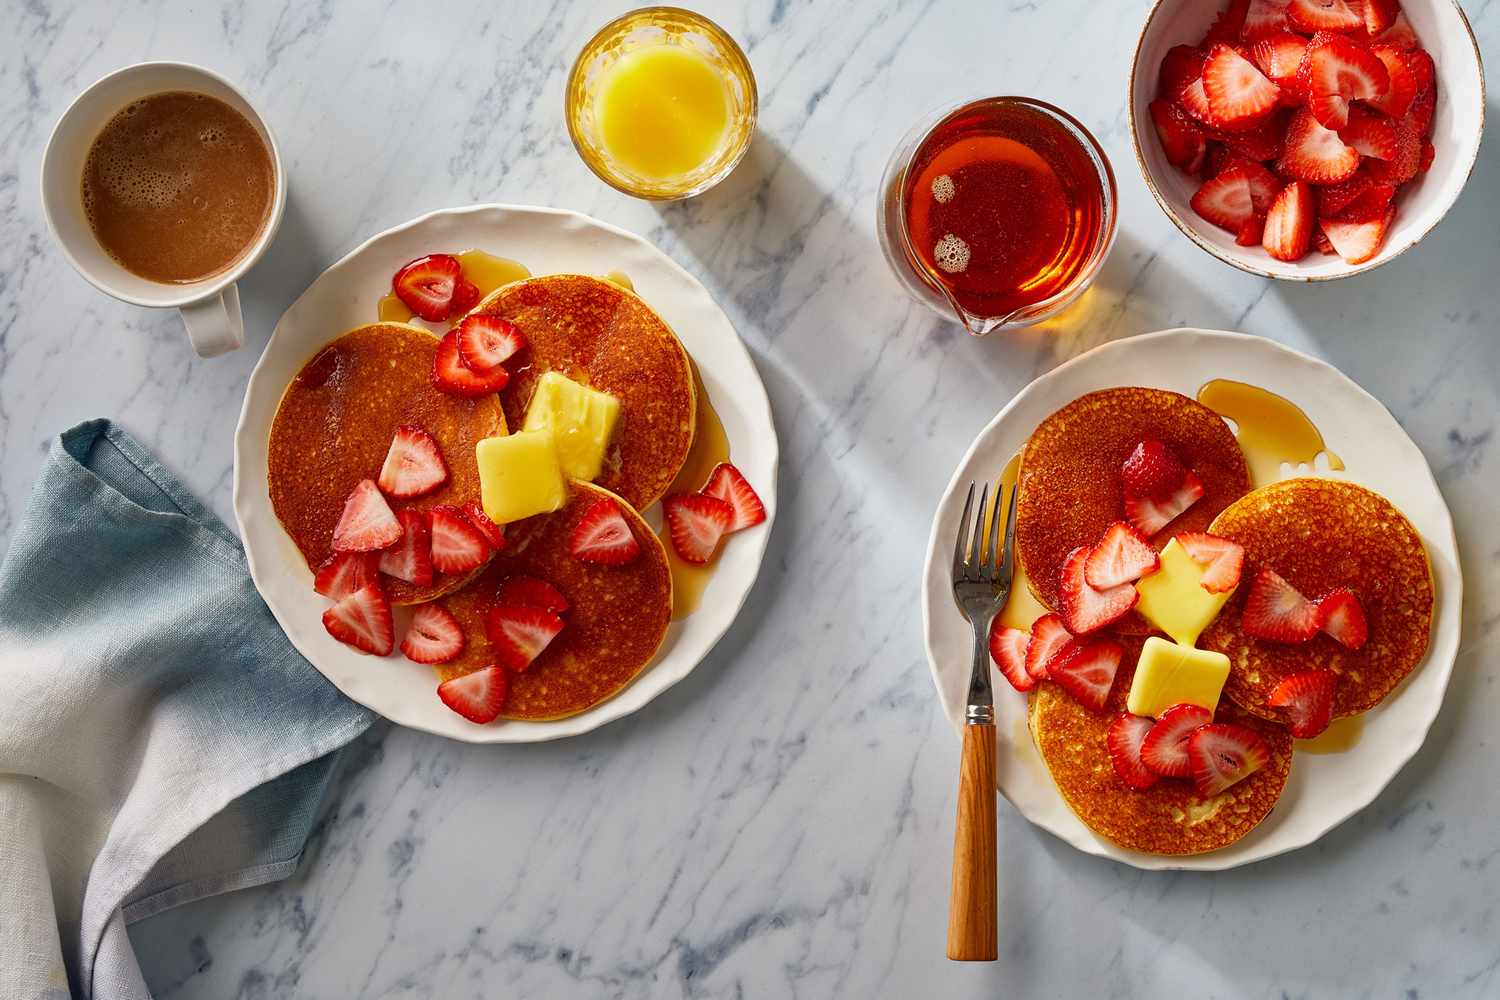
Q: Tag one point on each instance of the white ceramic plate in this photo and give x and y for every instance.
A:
(548, 241)
(1324, 789)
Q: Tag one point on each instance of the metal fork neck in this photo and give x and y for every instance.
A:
(981, 701)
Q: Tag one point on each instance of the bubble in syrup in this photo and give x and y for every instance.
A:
(951, 254)
(943, 189)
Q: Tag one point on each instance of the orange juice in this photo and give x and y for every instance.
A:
(663, 111)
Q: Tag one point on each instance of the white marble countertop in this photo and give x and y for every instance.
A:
(779, 824)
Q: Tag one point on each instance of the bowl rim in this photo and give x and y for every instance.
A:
(1247, 266)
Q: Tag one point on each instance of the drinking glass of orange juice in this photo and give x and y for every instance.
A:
(661, 103)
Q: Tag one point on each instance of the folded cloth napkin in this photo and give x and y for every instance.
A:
(160, 739)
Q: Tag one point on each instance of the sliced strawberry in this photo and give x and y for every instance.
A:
(1228, 25)
(1222, 558)
(1308, 700)
(1264, 18)
(366, 523)
(1194, 100)
(1275, 611)
(426, 285)
(730, 485)
(1423, 107)
(414, 464)
(1120, 556)
(410, 559)
(1358, 242)
(603, 536)
(1400, 34)
(1049, 638)
(1087, 609)
(492, 532)
(1181, 138)
(1218, 158)
(1264, 185)
(1008, 650)
(362, 619)
(530, 592)
(1225, 200)
(434, 635)
(1398, 96)
(1222, 754)
(1407, 159)
(1315, 154)
(1370, 204)
(1087, 671)
(1342, 70)
(1237, 90)
(478, 696)
(1370, 132)
(457, 546)
(465, 297)
(1325, 15)
(697, 522)
(1342, 616)
(519, 635)
(1279, 55)
(1334, 197)
(487, 342)
(1152, 470)
(1123, 739)
(1320, 240)
(344, 573)
(1253, 146)
(1181, 66)
(1429, 153)
(1252, 233)
(1289, 223)
(1165, 749)
(451, 375)
(1151, 516)
(1380, 15)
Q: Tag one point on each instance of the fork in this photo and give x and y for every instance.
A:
(981, 585)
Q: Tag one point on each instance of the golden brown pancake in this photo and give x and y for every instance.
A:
(1069, 486)
(335, 424)
(1170, 817)
(1320, 534)
(597, 333)
(617, 619)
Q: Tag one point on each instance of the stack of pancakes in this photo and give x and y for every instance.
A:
(1317, 533)
(338, 416)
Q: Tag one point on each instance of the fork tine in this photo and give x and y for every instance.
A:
(961, 547)
(1008, 563)
(992, 559)
(976, 563)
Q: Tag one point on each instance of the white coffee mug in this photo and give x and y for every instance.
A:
(210, 307)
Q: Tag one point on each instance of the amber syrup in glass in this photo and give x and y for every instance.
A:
(1004, 207)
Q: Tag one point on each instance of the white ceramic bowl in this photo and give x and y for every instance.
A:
(1456, 130)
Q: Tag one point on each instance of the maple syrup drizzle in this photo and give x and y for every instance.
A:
(1021, 607)
(1271, 429)
(710, 447)
(1341, 735)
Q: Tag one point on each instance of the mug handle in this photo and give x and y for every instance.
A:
(215, 325)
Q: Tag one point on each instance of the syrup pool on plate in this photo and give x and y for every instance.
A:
(1271, 429)
(710, 447)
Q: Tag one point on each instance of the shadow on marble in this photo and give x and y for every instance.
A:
(292, 261)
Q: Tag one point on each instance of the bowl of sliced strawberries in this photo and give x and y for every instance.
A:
(1306, 139)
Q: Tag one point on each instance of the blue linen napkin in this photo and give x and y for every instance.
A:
(160, 739)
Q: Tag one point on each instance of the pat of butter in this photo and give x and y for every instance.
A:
(1173, 598)
(582, 421)
(1169, 674)
(519, 476)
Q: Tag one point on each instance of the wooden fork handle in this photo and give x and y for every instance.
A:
(971, 909)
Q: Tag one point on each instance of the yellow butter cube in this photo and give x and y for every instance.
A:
(1173, 598)
(582, 421)
(1169, 674)
(519, 476)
